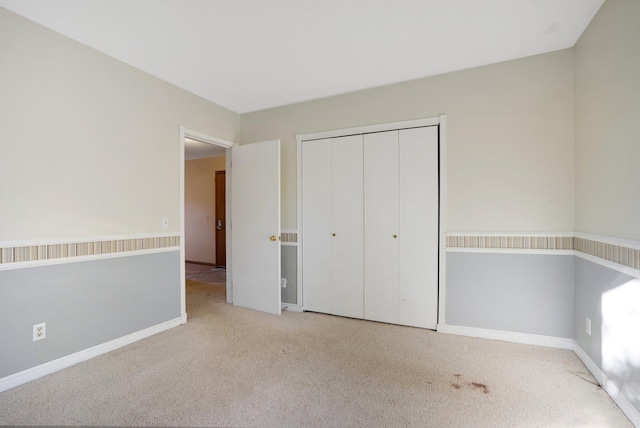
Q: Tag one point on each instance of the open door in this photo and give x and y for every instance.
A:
(221, 219)
(255, 225)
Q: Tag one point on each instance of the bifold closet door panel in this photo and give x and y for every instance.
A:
(316, 225)
(418, 151)
(381, 234)
(347, 226)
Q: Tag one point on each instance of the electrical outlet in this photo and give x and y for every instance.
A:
(588, 326)
(283, 282)
(165, 222)
(39, 331)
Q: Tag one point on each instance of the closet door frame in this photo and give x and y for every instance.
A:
(441, 122)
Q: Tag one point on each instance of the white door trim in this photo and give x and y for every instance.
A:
(442, 190)
(203, 138)
(440, 121)
(392, 126)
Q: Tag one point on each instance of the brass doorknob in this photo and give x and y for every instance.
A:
(273, 238)
(395, 236)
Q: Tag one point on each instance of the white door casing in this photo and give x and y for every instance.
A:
(255, 222)
(208, 139)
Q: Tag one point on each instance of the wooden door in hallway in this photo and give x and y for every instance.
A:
(221, 224)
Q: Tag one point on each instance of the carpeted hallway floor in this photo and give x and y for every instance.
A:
(206, 274)
(229, 366)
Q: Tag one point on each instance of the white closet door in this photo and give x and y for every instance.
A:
(316, 225)
(381, 237)
(419, 227)
(347, 226)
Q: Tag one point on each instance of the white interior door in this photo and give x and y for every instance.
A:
(255, 223)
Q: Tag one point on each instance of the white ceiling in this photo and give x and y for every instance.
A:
(250, 55)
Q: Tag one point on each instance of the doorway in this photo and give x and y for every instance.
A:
(193, 146)
(204, 198)
(221, 222)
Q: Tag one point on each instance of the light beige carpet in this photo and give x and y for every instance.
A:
(230, 366)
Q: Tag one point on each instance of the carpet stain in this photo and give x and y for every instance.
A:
(473, 385)
(481, 386)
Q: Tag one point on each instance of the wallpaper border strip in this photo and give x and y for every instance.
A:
(621, 253)
(518, 242)
(68, 250)
(624, 255)
(289, 236)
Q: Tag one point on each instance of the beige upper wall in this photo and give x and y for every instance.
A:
(89, 145)
(607, 121)
(510, 164)
(200, 208)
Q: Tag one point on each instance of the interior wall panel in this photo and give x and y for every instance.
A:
(610, 300)
(83, 305)
(522, 293)
(510, 150)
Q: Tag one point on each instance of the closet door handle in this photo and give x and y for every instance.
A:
(395, 236)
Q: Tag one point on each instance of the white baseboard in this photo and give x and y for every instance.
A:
(625, 405)
(508, 336)
(33, 373)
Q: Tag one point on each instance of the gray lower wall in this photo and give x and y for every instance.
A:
(289, 256)
(523, 293)
(611, 300)
(83, 304)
